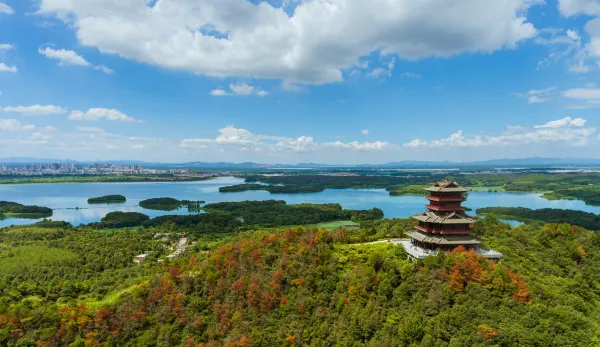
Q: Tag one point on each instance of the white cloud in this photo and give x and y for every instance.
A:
(218, 92)
(301, 144)
(583, 93)
(312, 45)
(96, 114)
(138, 147)
(4, 8)
(355, 145)
(69, 57)
(35, 110)
(591, 49)
(590, 97)
(365, 132)
(230, 136)
(536, 96)
(567, 130)
(562, 123)
(13, 125)
(6, 46)
(380, 72)
(240, 88)
(65, 57)
(6, 68)
(104, 69)
(289, 86)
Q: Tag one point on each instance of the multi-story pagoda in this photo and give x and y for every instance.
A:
(445, 225)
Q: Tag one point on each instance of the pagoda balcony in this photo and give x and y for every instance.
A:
(438, 198)
(445, 208)
(431, 230)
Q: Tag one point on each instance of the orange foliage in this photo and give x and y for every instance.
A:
(301, 309)
(283, 301)
(582, 252)
(466, 269)
(522, 291)
(241, 342)
(239, 286)
(255, 255)
(469, 267)
(487, 332)
(253, 294)
(291, 340)
(299, 281)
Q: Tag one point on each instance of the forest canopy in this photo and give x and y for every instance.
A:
(301, 287)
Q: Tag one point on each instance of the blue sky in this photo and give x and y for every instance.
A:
(331, 81)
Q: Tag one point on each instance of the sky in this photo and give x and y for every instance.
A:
(292, 81)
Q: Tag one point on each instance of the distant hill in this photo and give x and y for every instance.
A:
(408, 164)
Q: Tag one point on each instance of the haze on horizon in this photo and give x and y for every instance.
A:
(337, 82)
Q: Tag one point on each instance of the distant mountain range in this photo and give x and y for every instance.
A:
(407, 164)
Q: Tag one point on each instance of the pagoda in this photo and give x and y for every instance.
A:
(445, 225)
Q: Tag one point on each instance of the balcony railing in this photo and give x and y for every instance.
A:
(445, 198)
(445, 231)
(446, 208)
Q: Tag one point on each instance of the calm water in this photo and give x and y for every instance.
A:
(63, 198)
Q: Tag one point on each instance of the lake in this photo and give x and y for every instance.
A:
(64, 197)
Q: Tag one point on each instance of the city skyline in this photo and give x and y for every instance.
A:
(487, 80)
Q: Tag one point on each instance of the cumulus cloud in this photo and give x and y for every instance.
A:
(591, 49)
(96, 114)
(230, 136)
(4, 8)
(69, 57)
(312, 45)
(355, 145)
(6, 46)
(365, 132)
(35, 110)
(567, 130)
(240, 88)
(13, 125)
(562, 123)
(6, 68)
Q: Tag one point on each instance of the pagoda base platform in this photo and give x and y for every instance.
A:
(415, 252)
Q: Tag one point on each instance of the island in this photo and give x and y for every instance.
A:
(170, 204)
(120, 219)
(15, 210)
(583, 219)
(107, 199)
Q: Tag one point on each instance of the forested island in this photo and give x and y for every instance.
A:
(586, 220)
(170, 204)
(278, 212)
(581, 186)
(16, 210)
(79, 286)
(107, 199)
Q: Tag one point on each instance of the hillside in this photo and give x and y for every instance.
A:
(309, 287)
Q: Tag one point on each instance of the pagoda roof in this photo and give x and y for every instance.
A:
(443, 240)
(447, 186)
(450, 218)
